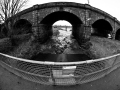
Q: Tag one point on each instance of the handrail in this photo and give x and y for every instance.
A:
(36, 71)
(59, 63)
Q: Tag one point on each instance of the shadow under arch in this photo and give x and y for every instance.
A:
(101, 28)
(22, 26)
(50, 19)
(117, 36)
(61, 15)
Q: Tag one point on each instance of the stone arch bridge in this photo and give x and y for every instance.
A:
(86, 21)
(40, 18)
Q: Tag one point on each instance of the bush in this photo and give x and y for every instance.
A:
(5, 45)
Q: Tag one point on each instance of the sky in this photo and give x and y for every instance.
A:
(110, 6)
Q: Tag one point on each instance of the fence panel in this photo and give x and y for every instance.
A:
(60, 73)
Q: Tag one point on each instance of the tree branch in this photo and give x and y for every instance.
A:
(9, 8)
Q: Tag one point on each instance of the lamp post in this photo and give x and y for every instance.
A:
(88, 1)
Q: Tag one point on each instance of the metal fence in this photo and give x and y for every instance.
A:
(60, 73)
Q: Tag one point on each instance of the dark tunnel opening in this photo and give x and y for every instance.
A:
(101, 28)
(47, 23)
(22, 26)
(61, 15)
(117, 36)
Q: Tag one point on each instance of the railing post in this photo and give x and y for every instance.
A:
(52, 77)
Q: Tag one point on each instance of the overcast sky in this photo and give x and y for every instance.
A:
(110, 6)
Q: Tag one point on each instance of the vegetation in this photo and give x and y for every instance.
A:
(9, 8)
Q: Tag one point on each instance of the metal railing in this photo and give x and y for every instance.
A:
(60, 73)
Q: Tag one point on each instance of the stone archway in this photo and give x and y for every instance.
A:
(49, 20)
(117, 36)
(22, 26)
(56, 53)
(101, 28)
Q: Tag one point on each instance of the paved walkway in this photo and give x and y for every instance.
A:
(9, 81)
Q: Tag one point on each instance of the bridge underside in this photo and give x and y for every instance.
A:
(117, 37)
(101, 28)
(50, 19)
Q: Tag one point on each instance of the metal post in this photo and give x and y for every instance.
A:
(52, 77)
(88, 1)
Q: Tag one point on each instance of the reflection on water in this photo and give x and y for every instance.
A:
(61, 57)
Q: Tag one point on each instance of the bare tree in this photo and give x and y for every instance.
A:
(9, 8)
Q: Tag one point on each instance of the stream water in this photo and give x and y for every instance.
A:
(63, 49)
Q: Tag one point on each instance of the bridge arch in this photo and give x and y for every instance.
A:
(75, 21)
(117, 36)
(101, 28)
(22, 26)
